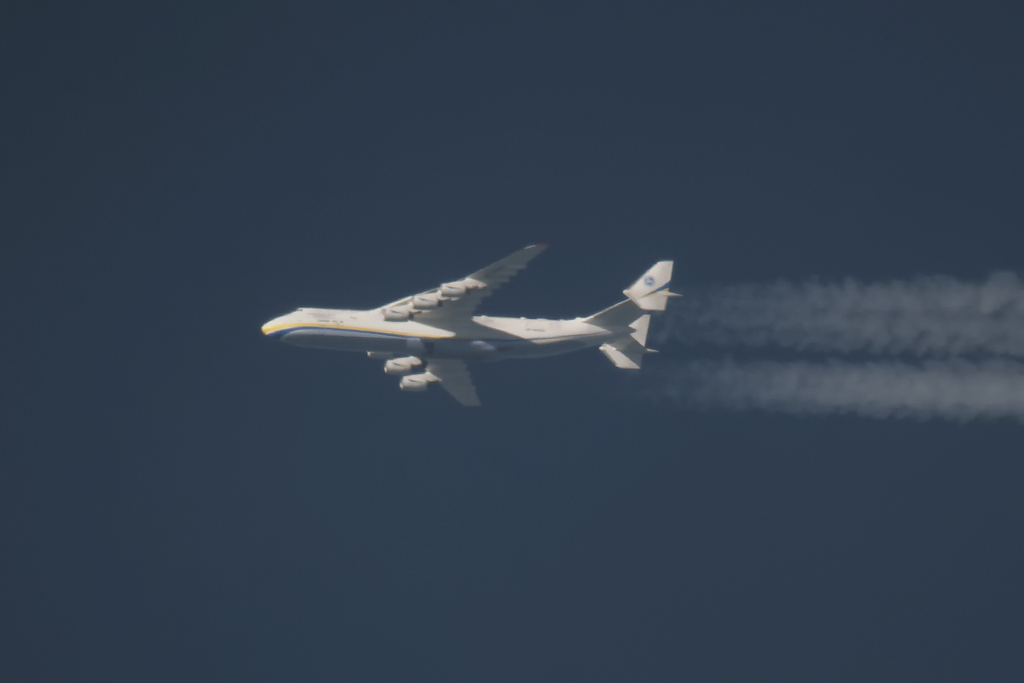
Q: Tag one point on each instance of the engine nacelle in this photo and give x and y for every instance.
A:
(426, 302)
(418, 382)
(381, 355)
(402, 366)
(453, 289)
(398, 313)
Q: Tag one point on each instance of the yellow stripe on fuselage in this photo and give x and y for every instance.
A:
(328, 326)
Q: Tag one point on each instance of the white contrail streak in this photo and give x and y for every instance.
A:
(927, 316)
(954, 389)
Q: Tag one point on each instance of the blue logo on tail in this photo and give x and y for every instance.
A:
(648, 280)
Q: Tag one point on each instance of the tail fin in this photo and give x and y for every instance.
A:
(627, 351)
(650, 292)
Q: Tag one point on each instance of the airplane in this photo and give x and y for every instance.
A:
(428, 338)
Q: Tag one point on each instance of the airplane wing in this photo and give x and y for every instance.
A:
(459, 299)
(453, 376)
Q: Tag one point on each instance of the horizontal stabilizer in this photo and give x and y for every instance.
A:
(625, 355)
(619, 315)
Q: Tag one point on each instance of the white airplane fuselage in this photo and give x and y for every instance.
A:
(427, 338)
(482, 338)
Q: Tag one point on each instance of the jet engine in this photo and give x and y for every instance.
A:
(453, 289)
(415, 382)
(425, 302)
(398, 313)
(402, 366)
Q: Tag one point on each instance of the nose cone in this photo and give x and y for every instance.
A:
(275, 325)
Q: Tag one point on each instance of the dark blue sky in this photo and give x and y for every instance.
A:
(182, 499)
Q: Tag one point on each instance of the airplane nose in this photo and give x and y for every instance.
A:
(278, 326)
(270, 326)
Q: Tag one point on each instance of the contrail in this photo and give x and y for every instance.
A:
(926, 316)
(954, 389)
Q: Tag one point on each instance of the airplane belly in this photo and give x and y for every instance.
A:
(335, 339)
(469, 349)
(352, 340)
(539, 348)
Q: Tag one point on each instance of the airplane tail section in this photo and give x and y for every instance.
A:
(619, 315)
(640, 327)
(628, 351)
(650, 292)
